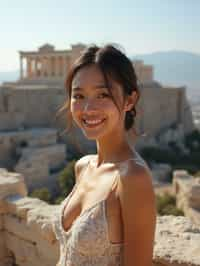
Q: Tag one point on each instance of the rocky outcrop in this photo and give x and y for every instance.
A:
(177, 241)
(160, 172)
(37, 173)
(35, 154)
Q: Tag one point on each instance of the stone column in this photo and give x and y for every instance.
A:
(29, 67)
(21, 67)
(61, 67)
(56, 66)
(33, 67)
(42, 66)
(66, 66)
(53, 66)
(49, 66)
(36, 66)
(45, 62)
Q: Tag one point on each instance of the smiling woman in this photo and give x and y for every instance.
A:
(109, 217)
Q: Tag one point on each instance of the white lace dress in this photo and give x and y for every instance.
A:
(86, 243)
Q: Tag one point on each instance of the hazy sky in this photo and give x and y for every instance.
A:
(140, 26)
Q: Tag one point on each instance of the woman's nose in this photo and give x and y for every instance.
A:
(89, 106)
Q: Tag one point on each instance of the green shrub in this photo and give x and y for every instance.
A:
(197, 174)
(172, 210)
(166, 205)
(174, 147)
(194, 136)
(59, 200)
(41, 193)
(194, 157)
(66, 179)
(159, 155)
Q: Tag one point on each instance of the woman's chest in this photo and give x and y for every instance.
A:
(100, 215)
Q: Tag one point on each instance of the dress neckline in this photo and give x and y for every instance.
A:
(100, 202)
(63, 205)
(79, 216)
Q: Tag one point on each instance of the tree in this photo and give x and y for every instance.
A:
(66, 179)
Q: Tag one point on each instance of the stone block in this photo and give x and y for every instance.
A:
(11, 184)
(194, 196)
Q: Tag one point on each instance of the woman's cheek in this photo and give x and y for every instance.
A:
(75, 107)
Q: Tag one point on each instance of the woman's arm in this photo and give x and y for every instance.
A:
(138, 206)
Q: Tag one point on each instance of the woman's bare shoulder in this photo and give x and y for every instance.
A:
(135, 176)
(81, 164)
(136, 170)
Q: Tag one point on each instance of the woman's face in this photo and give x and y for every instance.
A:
(91, 105)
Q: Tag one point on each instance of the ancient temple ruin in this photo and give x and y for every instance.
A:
(47, 64)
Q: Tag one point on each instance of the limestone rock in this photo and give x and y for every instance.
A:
(161, 171)
(194, 196)
(187, 191)
(11, 184)
(177, 241)
(38, 174)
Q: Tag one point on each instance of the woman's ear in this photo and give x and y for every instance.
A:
(130, 101)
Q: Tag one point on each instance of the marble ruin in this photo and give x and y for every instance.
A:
(47, 64)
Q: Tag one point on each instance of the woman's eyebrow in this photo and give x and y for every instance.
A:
(100, 86)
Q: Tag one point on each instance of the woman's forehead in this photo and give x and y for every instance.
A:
(88, 76)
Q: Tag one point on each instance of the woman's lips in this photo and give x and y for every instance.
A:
(91, 123)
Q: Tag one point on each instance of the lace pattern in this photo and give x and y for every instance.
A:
(87, 244)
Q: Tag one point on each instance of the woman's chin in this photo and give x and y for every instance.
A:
(91, 135)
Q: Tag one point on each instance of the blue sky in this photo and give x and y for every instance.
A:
(138, 26)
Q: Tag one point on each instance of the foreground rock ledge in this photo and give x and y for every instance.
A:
(27, 237)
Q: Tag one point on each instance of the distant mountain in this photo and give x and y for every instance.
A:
(176, 68)
(9, 76)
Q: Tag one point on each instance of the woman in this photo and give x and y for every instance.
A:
(109, 217)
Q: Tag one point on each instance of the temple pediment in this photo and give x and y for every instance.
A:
(46, 48)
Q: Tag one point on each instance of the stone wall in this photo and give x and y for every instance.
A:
(160, 108)
(187, 190)
(28, 107)
(24, 150)
(27, 237)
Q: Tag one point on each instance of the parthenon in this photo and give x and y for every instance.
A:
(47, 63)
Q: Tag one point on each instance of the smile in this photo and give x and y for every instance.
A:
(93, 123)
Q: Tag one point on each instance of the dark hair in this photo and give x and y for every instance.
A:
(115, 65)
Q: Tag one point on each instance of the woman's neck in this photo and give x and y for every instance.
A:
(113, 150)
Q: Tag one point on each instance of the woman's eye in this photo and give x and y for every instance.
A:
(102, 95)
(77, 96)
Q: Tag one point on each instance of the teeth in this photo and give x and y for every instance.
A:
(93, 121)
